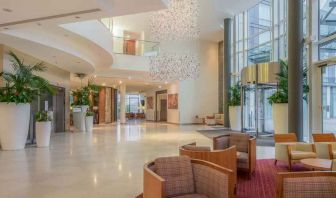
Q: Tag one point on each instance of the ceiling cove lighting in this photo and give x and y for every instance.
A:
(177, 23)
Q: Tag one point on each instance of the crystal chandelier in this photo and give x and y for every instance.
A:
(179, 21)
(170, 67)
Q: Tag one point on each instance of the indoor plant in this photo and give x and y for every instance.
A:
(43, 128)
(89, 121)
(21, 87)
(235, 107)
(82, 103)
(279, 99)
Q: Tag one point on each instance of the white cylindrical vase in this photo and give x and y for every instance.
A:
(79, 117)
(280, 118)
(89, 124)
(43, 130)
(14, 125)
(235, 118)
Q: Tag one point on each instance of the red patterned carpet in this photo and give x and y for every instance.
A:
(262, 183)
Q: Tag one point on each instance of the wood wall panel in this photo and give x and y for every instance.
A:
(102, 103)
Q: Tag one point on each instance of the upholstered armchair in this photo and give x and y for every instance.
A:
(325, 145)
(306, 185)
(182, 177)
(226, 158)
(246, 149)
(289, 150)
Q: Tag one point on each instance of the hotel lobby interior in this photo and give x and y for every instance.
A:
(168, 98)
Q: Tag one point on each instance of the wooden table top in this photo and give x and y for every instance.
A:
(317, 164)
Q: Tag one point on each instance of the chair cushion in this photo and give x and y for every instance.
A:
(240, 140)
(310, 187)
(298, 155)
(242, 160)
(178, 173)
(196, 148)
(192, 196)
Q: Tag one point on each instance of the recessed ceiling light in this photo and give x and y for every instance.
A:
(120, 82)
(166, 82)
(95, 76)
(104, 84)
(160, 87)
(7, 10)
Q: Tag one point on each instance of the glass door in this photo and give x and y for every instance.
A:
(329, 99)
(265, 118)
(249, 114)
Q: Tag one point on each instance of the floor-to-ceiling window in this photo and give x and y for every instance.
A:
(132, 103)
(327, 49)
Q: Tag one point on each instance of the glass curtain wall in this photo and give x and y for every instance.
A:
(132, 103)
(327, 49)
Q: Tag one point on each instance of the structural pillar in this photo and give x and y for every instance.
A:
(122, 104)
(227, 69)
(295, 68)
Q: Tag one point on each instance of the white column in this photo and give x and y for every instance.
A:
(122, 103)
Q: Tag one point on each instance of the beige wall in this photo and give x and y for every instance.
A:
(54, 75)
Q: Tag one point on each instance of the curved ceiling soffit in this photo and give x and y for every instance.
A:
(95, 32)
(47, 54)
(55, 42)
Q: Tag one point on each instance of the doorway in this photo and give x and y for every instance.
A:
(161, 107)
(257, 111)
(328, 90)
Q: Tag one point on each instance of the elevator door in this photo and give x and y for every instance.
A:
(257, 111)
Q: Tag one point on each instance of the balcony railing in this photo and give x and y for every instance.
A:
(131, 46)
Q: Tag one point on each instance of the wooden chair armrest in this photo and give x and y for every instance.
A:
(154, 185)
(226, 171)
(252, 151)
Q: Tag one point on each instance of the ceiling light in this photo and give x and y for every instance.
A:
(120, 82)
(166, 82)
(160, 87)
(103, 84)
(7, 10)
(95, 76)
(130, 77)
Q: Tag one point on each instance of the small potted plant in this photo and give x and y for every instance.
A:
(89, 121)
(235, 107)
(43, 128)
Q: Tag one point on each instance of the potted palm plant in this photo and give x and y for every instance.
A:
(235, 107)
(21, 87)
(89, 121)
(82, 103)
(279, 100)
(43, 128)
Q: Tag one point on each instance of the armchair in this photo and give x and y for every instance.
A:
(246, 149)
(306, 184)
(226, 158)
(325, 145)
(289, 150)
(182, 177)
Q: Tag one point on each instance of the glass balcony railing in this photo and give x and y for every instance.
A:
(135, 47)
(131, 46)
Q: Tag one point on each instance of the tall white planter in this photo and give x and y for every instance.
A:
(79, 117)
(235, 118)
(280, 118)
(89, 123)
(43, 130)
(14, 125)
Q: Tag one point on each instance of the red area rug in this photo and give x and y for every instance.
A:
(262, 183)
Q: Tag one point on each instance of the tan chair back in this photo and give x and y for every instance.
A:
(290, 137)
(326, 137)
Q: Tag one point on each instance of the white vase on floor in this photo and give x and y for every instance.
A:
(14, 125)
(235, 118)
(79, 117)
(89, 124)
(280, 118)
(43, 130)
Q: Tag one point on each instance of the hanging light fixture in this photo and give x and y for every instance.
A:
(177, 23)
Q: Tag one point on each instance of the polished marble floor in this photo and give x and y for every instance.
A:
(106, 163)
